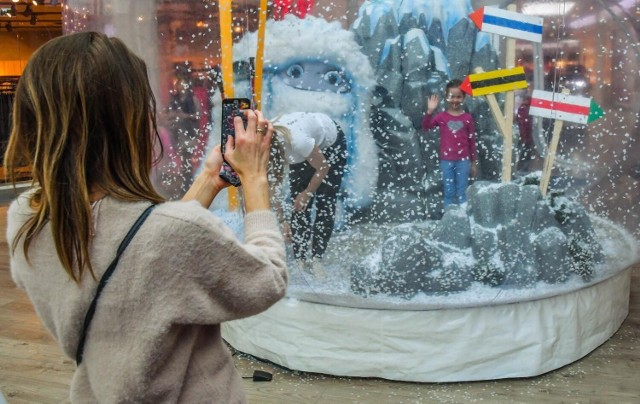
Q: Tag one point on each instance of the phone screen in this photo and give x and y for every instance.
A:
(231, 107)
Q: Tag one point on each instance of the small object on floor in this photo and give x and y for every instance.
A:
(262, 376)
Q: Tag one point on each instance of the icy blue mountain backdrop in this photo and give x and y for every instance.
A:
(415, 47)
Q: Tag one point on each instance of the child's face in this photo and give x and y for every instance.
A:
(455, 98)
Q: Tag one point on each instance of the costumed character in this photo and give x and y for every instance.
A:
(311, 65)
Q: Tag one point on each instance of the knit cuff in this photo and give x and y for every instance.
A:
(260, 220)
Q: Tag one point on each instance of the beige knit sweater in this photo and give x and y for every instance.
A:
(155, 336)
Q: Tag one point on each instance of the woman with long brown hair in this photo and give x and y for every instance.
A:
(84, 121)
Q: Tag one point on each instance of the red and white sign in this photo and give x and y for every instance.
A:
(564, 107)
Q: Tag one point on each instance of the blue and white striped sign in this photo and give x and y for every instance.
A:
(508, 23)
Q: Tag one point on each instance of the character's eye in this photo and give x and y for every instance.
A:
(295, 71)
(334, 78)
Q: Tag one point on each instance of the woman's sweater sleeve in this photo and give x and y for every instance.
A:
(220, 278)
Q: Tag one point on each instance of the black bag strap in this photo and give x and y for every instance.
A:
(103, 281)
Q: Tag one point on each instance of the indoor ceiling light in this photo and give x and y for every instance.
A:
(548, 9)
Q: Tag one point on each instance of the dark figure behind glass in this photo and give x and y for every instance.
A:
(183, 118)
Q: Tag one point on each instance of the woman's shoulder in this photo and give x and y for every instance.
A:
(308, 120)
(323, 119)
(184, 216)
(22, 203)
(174, 219)
(174, 225)
(20, 208)
(19, 211)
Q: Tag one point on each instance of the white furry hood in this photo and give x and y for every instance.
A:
(314, 39)
(309, 38)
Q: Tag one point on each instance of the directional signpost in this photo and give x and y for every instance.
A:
(561, 107)
(514, 26)
(489, 83)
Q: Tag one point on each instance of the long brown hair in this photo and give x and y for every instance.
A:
(84, 119)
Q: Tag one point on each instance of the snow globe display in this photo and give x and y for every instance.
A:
(530, 271)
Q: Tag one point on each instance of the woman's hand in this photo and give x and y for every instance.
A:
(248, 154)
(248, 151)
(213, 164)
(432, 103)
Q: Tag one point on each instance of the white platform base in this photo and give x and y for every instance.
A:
(478, 343)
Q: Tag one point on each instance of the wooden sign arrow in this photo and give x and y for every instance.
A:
(564, 107)
(508, 23)
(495, 81)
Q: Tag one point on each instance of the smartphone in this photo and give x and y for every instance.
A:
(231, 107)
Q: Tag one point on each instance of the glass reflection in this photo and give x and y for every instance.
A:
(370, 66)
